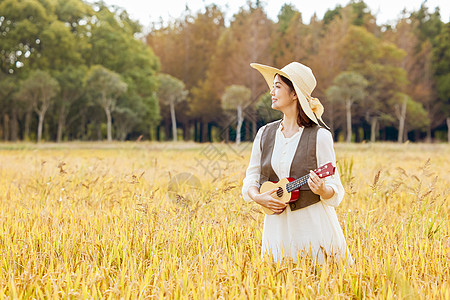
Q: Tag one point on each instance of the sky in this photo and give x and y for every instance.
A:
(386, 11)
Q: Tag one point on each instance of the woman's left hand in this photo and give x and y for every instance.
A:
(317, 186)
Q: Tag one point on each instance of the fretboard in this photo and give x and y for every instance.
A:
(297, 183)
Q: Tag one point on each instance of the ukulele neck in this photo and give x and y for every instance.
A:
(297, 183)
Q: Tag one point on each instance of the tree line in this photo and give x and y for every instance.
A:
(377, 82)
(72, 70)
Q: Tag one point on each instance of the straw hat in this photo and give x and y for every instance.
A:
(304, 83)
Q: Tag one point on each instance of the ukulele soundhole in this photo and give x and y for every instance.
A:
(280, 192)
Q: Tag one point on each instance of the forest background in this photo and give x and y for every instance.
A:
(72, 70)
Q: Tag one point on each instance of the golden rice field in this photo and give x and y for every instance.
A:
(97, 220)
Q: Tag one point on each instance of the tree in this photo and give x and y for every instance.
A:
(236, 97)
(105, 86)
(71, 82)
(39, 89)
(21, 22)
(291, 38)
(331, 14)
(58, 47)
(247, 40)
(185, 48)
(404, 106)
(416, 64)
(348, 87)
(441, 58)
(379, 62)
(8, 87)
(429, 27)
(326, 60)
(171, 91)
(114, 46)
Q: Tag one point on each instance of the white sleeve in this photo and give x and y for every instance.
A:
(254, 167)
(325, 154)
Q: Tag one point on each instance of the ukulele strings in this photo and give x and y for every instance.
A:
(297, 183)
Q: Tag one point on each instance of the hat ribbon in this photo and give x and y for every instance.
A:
(315, 106)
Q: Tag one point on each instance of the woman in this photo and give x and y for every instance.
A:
(292, 147)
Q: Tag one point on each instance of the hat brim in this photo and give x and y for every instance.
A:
(269, 73)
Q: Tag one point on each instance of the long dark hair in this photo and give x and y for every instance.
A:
(302, 119)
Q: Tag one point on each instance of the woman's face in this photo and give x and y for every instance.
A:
(282, 96)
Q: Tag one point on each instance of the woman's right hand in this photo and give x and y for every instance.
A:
(265, 199)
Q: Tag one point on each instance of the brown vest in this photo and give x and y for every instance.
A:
(303, 161)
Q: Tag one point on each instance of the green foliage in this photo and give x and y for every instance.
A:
(7, 88)
(70, 79)
(234, 96)
(287, 13)
(171, 90)
(443, 87)
(347, 86)
(441, 65)
(330, 14)
(429, 23)
(104, 86)
(20, 26)
(58, 47)
(360, 11)
(38, 91)
(39, 88)
(416, 115)
(72, 12)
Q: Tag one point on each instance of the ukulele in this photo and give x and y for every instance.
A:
(288, 187)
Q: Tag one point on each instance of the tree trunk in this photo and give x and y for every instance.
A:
(151, 133)
(247, 130)
(254, 130)
(348, 106)
(61, 121)
(239, 125)
(185, 128)
(5, 127)
(373, 129)
(210, 126)
(195, 131)
(174, 121)
(98, 126)
(204, 130)
(122, 133)
(226, 134)
(428, 138)
(158, 133)
(448, 129)
(109, 122)
(405, 132)
(402, 118)
(167, 130)
(14, 126)
(40, 125)
(26, 134)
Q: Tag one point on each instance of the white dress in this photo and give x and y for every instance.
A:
(313, 229)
